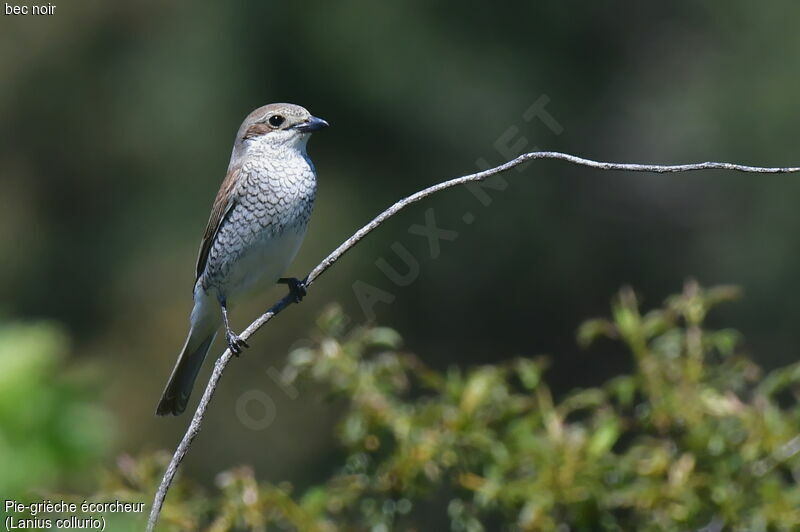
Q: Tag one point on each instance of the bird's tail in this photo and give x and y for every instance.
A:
(201, 335)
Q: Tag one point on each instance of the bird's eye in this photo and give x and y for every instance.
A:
(276, 120)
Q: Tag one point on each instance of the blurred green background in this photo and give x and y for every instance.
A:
(117, 120)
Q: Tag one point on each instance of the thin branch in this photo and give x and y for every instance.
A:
(222, 361)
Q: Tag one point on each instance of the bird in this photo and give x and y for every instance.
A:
(258, 221)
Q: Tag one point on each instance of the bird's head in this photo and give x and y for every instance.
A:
(278, 126)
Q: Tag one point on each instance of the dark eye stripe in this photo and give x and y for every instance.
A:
(256, 130)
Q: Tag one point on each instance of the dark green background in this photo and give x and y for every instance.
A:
(116, 123)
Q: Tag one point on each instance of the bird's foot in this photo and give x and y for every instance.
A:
(235, 342)
(297, 288)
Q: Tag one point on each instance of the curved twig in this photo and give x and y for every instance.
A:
(327, 262)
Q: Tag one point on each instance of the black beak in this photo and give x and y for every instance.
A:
(312, 124)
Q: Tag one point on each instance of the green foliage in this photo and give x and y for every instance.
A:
(50, 429)
(692, 435)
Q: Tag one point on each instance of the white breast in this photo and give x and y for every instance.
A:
(262, 263)
(262, 233)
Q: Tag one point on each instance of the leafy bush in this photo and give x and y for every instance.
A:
(694, 436)
(50, 428)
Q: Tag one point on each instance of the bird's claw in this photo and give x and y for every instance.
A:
(297, 288)
(235, 342)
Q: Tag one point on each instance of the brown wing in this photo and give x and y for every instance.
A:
(222, 204)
